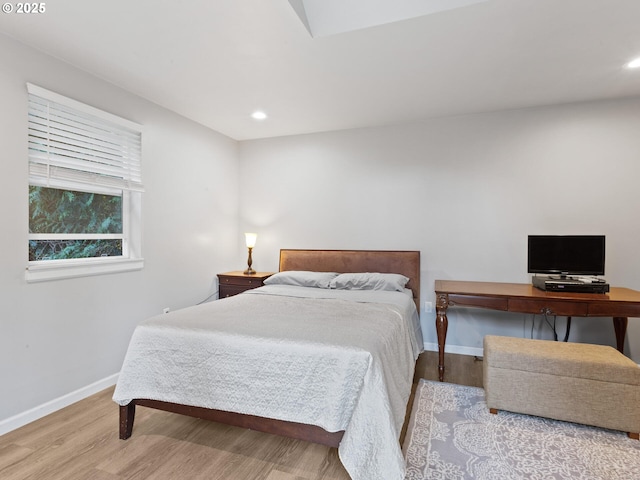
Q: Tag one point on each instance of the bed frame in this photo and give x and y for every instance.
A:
(343, 261)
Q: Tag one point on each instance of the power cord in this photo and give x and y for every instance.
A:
(566, 333)
(553, 327)
(208, 298)
(533, 324)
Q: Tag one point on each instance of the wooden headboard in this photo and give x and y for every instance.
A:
(406, 263)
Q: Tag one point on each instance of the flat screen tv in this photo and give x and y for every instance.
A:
(566, 254)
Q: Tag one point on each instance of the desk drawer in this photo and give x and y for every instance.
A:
(614, 309)
(550, 307)
(494, 303)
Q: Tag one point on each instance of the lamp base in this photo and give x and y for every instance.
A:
(249, 270)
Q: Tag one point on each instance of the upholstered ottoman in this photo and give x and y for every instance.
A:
(574, 382)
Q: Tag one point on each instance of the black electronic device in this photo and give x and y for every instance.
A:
(566, 255)
(568, 284)
(570, 262)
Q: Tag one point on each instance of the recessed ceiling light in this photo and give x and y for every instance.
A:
(259, 115)
(634, 63)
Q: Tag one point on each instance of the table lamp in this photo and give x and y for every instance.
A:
(250, 239)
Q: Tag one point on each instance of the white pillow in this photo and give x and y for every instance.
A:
(370, 281)
(301, 278)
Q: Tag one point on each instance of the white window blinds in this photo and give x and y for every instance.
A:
(73, 143)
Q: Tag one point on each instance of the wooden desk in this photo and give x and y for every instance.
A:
(619, 303)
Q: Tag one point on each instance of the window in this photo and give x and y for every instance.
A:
(85, 186)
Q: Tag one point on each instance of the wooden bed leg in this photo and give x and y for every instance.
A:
(493, 410)
(127, 415)
(634, 435)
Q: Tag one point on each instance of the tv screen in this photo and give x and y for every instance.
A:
(566, 254)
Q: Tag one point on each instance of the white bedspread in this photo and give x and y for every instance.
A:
(341, 360)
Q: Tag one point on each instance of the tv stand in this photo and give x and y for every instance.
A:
(618, 304)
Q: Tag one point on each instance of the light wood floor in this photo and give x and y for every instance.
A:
(81, 442)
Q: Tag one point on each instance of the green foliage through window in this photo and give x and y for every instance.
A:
(65, 213)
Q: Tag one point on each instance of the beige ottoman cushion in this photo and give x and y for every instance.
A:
(574, 382)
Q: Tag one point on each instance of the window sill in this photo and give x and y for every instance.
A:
(59, 270)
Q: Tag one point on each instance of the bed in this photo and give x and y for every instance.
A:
(322, 364)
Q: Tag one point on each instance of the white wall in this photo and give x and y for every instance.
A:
(466, 192)
(58, 337)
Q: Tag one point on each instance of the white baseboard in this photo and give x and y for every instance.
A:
(473, 351)
(56, 404)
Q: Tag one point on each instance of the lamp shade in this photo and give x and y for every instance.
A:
(250, 238)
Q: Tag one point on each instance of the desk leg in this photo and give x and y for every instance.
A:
(620, 326)
(442, 324)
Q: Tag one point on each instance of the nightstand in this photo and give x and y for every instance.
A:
(233, 283)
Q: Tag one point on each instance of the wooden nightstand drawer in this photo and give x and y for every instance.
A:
(245, 281)
(230, 290)
(233, 283)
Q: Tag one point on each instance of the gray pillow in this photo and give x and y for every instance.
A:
(301, 278)
(370, 281)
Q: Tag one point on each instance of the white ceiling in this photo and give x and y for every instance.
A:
(216, 61)
(329, 17)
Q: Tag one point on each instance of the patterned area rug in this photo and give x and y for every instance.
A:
(452, 436)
